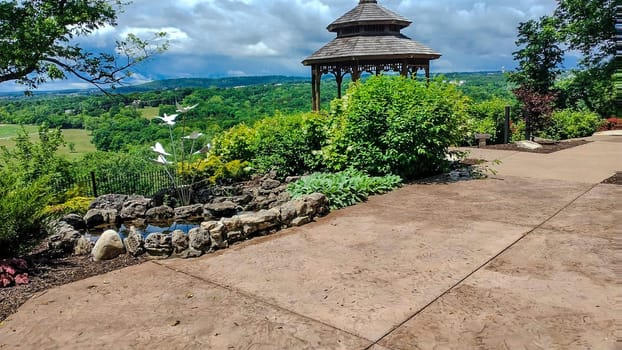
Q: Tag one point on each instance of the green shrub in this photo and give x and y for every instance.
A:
(21, 213)
(215, 170)
(75, 205)
(286, 144)
(283, 143)
(395, 125)
(568, 124)
(343, 188)
(234, 143)
(486, 117)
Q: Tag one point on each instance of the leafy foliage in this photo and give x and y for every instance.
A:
(21, 212)
(283, 143)
(76, 205)
(13, 271)
(36, 42)
(217, 171)
(344, 188)
(395, 125)
(537, 108)
(568, 124)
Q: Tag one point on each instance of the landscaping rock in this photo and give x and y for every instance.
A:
(217, 232)
(260, 221)
(287, 212)
(224, 209)
(269, 184)
(199, 239)
(63, 240)
(158, 246)
(75, 220)
(299, 221)
(161, 213)
(134, 243)
(135, 208)
(109, 202)
(83, 246)
(318, 202)
(98, 217)
(179, 241)
(189, 213)
(108, 246)
(528, 145)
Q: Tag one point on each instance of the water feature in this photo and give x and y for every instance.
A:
(94, 234)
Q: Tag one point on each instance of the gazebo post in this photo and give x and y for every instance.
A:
(316, 79)
(339, 78)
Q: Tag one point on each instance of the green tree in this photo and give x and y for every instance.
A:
(37, 46)
(588, 26)
(538, 68)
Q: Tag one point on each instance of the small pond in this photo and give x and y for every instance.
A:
(94, 234)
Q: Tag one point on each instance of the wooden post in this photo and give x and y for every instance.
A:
(339, 78)
(94, 183)
(316, 78)
(427, 73)
(506, 126)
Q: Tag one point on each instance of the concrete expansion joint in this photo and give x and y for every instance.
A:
(260, 300)
(510, 246)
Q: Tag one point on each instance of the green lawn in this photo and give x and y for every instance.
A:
(149, 112)
(80, 138)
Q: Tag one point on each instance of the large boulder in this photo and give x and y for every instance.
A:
(75, 220)
(161, 213)
(108, 246)
(257, 222)
(199, 240)
(63, 238)
(217, 232)
(189, 213)
(109, 202)
(222, 209)
(134, 208)
(134, 243)
(158, 246)
(179, 241)
(99, 217)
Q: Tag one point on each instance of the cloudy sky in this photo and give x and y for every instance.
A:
(215, 38)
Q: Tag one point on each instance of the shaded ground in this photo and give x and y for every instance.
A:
(616, 179)
(546, 148)
(45, 273)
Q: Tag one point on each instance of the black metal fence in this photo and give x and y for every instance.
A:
(97, 184)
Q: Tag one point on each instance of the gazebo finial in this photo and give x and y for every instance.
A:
(368, 2)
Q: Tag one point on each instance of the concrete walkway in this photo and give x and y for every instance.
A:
(522, 260)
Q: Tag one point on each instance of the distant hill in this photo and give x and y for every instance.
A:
(229, 82)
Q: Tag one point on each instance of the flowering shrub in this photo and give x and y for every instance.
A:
(13, 272)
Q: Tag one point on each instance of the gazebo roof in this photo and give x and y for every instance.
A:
(368, 12)
(371, 47)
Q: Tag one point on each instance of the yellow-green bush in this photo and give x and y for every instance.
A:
(75, 205)
(215, 170)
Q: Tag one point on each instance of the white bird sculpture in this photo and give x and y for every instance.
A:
(159, 149)
(168, 119)
(195, 135)
(181, 109)
(161, 160)
(204, 149)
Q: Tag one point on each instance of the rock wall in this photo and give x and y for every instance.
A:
(221, 226)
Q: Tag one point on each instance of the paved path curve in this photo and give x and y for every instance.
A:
(515, 261)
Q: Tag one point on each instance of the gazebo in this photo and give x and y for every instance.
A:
(369, 39)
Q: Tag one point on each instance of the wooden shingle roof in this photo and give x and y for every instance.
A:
(368, 12)
(371, 47)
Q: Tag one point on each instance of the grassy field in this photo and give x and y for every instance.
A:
(149, 112)
(80, 138)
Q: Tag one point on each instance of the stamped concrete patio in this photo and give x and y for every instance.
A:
(525, 259)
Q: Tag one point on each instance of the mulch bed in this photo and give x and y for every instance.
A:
(546, 148)
(616, 179)
(45, 273)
